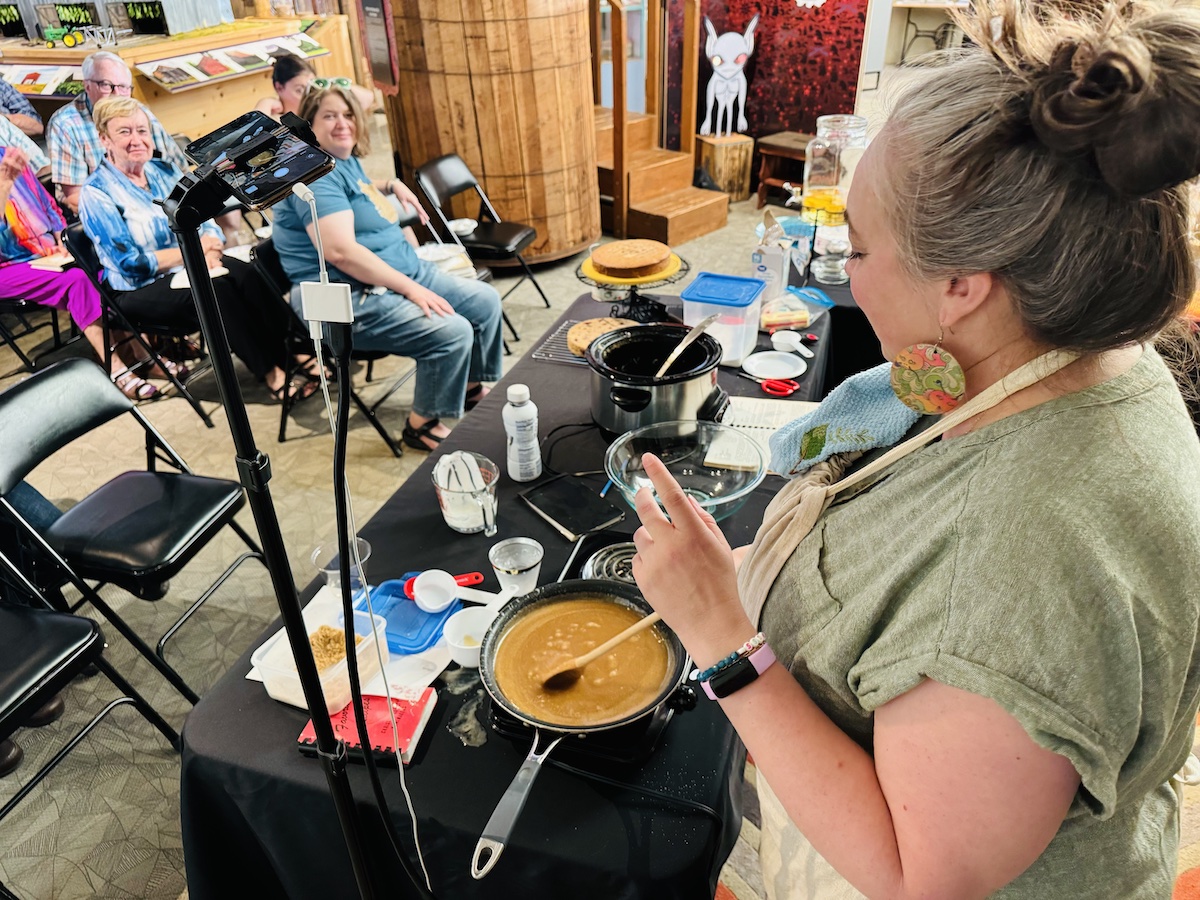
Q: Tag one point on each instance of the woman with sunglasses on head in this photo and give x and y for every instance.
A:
(291, 78)
(963, 646)
(402, 304)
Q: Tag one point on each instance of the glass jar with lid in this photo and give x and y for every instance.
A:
(832, 156)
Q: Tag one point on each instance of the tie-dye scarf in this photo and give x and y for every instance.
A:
(31, 219)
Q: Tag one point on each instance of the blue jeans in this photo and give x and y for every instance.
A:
(450, 351)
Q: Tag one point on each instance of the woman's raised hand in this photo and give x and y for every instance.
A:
(685, 568)
(429, 302)
(13, 164)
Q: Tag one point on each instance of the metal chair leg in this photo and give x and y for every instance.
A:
(62, 754)
(396, 449)
(143, 705)
(160, 648)
(9, 338)
(508, 322)
(167, 671)
(529, 275)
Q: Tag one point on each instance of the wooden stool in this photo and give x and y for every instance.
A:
(727, 160)
(776, 151)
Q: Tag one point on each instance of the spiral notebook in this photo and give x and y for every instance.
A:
(413, 709)
(758, 418)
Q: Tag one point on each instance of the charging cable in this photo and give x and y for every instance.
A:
(334, 299)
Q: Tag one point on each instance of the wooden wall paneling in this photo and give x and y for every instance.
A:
(652, 35)
(620, 204)
(691, 66)
(507, 84)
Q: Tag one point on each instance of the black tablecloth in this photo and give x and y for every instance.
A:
(257, 817)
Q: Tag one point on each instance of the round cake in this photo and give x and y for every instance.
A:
(631, 259)
(581, 334)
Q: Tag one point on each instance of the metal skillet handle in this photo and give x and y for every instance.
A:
(500, 825)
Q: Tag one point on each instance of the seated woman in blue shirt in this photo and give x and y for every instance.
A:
(139, 251)
(402, 305)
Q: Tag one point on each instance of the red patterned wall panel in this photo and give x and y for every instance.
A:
(805, 61)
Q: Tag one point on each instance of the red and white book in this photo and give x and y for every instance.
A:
(412, 709)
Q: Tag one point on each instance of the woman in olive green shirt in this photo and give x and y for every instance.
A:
(987, 643)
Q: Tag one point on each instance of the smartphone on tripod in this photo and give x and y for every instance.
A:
(259, 159)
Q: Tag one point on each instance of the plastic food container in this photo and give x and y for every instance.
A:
(275, 662)
(409, 628)
(736, 301)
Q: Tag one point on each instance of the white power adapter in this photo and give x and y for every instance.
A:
(325, 301)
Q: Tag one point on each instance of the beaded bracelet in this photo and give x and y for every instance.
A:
(745, 650)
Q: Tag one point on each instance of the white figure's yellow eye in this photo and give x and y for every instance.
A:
(716, 60)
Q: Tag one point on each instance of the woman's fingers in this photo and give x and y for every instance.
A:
(647, 508)
(706, 517)
(677, 504)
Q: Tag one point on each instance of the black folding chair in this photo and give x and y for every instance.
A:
(24, 311)
(43, 650)
(492, 240)
(138, 530)
(84, 251)
(266, 260)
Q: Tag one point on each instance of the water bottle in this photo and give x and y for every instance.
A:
(521, 426)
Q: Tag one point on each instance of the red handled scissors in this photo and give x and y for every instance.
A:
(776, 387)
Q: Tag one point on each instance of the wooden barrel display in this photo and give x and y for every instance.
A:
(507, 85)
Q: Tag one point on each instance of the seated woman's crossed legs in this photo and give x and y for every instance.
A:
(454, 354)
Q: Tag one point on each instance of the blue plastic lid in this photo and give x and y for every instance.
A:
(409, 628)
(725, 290)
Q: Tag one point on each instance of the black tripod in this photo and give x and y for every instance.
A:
(197, 197)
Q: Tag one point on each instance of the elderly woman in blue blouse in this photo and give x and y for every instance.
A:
(139, 251)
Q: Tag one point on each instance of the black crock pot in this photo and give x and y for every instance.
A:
(624, 392)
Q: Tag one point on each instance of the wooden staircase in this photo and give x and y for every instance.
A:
(661, 203)
(652, 197)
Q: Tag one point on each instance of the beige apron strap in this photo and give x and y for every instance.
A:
(791, 515)
(1025, 376)
(794, 511)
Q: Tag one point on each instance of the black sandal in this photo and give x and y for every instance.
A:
(298, 389)
(472, 397)
(414, 437)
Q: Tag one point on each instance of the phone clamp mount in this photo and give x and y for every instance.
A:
(196, 198)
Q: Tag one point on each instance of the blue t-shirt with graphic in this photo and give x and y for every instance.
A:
(375, 218)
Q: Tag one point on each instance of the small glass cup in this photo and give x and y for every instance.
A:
(517, 562)
(468, 511)
(325, 557)
(830, 267)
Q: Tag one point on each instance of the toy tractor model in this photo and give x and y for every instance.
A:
(77, 35)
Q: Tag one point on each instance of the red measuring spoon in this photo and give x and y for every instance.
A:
(465, 580)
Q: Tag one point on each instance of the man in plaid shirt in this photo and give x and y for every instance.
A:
(74, 144)
(18, 110)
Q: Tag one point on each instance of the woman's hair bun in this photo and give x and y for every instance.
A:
(1131, 96)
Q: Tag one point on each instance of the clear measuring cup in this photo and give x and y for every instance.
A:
(466, 490)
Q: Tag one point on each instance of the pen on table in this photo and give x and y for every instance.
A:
(607, 485)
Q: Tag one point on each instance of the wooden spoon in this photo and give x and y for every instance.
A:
(566, 674)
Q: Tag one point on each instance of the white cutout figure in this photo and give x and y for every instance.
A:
(728, 54)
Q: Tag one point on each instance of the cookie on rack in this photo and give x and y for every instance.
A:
(631, 259)
(581, 334)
